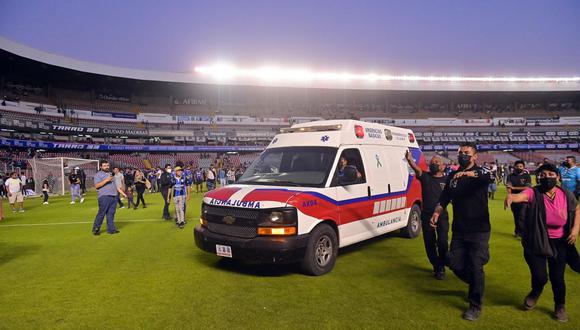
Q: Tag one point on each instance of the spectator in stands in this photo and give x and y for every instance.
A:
(45, 191)
(119, 183)
(570, 175)
(141, 183)
(198, 180)
(517, 182)
(107, 191)
(551, 230)
(75, 186)
(435, 239)
(14, 188)
(180, 195)
(164, 186)
(210, 178)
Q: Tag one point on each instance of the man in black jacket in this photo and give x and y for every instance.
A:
(165, 182)
(466, 189)
(517, 182)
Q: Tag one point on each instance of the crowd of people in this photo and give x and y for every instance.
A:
(546, 216)
(546, 219)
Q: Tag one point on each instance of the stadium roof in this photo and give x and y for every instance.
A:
(230, 75)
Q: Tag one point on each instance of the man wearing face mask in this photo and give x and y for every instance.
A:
(466, 189)
(517, 182)
(435, 239)
(165, 182)
(570, 175)
(550, 232)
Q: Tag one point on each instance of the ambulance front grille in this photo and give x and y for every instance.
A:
(240, 222)
(231, 230)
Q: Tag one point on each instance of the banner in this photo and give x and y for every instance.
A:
(14, 143)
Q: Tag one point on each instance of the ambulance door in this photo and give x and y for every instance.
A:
(388, 175)
(352, 198)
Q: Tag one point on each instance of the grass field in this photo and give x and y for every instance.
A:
(55, 274)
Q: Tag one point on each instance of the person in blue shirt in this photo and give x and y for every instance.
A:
(222, 176)
(179, 193)
(570, 175)
(107, 191)
(188, 173)
(198, 180)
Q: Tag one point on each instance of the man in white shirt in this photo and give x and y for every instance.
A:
(210, 178)
(14, 189)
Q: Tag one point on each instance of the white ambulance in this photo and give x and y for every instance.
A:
(317, 187)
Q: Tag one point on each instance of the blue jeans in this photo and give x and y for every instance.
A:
(75, 191)
(107, 207)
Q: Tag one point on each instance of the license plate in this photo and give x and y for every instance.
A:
(223, 250)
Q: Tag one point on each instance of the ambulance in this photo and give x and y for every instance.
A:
(317, 187)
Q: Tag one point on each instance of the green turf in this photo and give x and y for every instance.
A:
(151, 275)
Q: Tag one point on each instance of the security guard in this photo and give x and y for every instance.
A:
(466, 189)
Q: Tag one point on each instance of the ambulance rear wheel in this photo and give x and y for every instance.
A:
(413, 228)
(321, 251)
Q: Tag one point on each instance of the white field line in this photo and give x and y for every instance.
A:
(74, 223)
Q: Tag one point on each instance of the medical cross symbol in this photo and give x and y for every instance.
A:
(325, 138)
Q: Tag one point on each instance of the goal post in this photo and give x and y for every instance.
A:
(56, 171)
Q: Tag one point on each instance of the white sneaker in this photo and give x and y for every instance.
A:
(72, 202)
(82, 199)
(45, 203)
(21, 211)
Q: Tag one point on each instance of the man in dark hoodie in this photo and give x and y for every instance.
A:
(466, 189)
(549, 235)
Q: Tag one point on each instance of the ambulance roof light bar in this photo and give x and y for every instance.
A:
(321, 128)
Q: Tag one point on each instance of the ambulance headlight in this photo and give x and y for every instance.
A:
(286, 216)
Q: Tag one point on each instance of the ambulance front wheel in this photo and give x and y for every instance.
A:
(413, 228)
(321, 251)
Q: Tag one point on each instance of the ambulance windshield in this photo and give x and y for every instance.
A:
(291, 166)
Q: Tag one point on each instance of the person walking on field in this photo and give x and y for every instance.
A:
(45, 191)
(549, 236)
(75, 186)
(180, 195)
(141, 183)
(107, 192)
(119, 183)
(466, 189)
(14, 189)
(435, 239)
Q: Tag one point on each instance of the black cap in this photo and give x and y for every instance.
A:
(548, 167)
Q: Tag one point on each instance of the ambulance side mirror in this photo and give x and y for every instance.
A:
(349, 177)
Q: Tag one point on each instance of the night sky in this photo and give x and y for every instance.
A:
(493, 37)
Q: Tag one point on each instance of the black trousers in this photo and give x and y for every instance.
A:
(468, 254)
(436, 239)
(45, 194)
(519, 211)
(543, 268)
(140, 198)
(119, 201)
(165, 193)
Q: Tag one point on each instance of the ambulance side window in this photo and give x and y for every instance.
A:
(353, 159)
